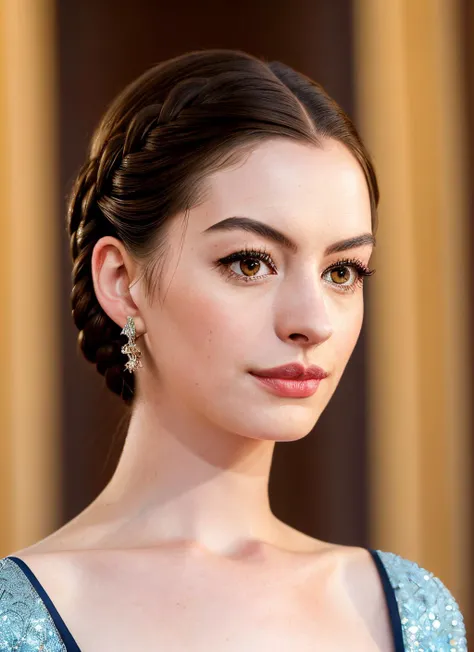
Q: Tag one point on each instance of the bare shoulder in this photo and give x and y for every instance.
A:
(353, 570)
(346, 576)
(60, 572)
(365, 590)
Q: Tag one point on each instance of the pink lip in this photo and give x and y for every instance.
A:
(292, 388)
(292, 379)
(293, 371)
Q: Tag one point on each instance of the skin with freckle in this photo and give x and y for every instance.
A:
(181, 550)
(209, 332)
(204, 430)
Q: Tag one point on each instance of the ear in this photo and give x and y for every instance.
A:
(113, 272)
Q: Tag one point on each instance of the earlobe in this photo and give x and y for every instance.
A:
(113, 273)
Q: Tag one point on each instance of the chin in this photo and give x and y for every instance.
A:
(279, 420)
(283, 431)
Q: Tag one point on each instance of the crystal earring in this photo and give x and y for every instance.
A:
(131, 349)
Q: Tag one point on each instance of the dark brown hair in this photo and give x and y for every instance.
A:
(158, 140)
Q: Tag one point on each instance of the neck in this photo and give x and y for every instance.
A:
(181, 481)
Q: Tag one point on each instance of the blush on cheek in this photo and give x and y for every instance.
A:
(200, 328)
(344, 338)
(349, 342)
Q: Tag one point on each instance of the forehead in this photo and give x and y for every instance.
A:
(294, 185)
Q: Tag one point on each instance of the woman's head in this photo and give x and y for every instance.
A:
(194, 141)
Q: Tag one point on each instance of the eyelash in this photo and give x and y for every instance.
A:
(265, 256)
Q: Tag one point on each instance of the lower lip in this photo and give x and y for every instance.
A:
(293, 388)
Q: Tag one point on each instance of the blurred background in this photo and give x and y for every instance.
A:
(389, 463)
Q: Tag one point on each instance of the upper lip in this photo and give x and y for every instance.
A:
(292, 370)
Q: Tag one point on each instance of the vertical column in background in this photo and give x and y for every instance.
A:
(411, 112)
(30, 390)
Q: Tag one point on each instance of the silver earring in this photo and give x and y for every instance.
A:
(131, 349)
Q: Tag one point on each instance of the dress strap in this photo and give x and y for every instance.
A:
(66, 636)
(391, 601)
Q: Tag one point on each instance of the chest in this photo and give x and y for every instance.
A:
(183, 611)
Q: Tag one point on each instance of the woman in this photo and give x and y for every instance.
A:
(221, 227)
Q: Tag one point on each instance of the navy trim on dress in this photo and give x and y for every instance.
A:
(72, 646)
(66, 636)
(392, 604)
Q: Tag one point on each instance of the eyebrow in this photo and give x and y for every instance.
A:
(270, 233)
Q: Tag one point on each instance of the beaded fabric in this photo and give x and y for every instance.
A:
(430, 617)
(25, 623)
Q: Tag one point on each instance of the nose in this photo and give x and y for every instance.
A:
(306, 320)
(312, 337)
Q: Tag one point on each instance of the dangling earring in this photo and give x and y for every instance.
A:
(131, 349)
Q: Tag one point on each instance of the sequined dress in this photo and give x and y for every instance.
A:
(424, 615)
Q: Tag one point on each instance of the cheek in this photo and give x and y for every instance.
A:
(202, 332)
(346, 335)
(354, 325)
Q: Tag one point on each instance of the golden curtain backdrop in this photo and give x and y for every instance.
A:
(30, 387)
(411, 111)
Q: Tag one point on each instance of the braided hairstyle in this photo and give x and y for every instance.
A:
(162, 135)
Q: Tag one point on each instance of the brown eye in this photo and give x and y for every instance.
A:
(246, 264)
(250, 264)
(348, 274)
(340, 275)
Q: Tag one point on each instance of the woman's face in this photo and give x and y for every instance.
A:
(216, 321)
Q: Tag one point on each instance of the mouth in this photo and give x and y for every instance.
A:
(292, 371)
(292, 388)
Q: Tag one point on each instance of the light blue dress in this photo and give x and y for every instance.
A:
(424, 615)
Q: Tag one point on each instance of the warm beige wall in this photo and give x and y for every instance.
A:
(410, 112)
(29, 247)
